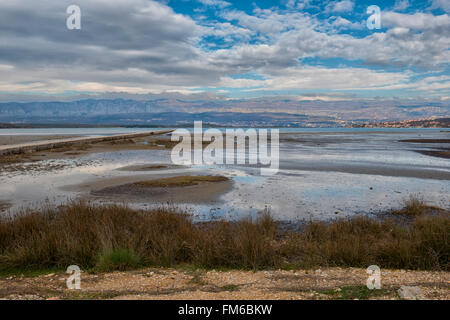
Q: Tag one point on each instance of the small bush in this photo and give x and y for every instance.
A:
(360, 242)
(414, 206)
(121, 259)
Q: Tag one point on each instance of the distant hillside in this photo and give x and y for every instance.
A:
(182, 119)
(173, 111)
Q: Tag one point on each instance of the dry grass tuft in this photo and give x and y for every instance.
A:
(114, 237)
(413, 206)
(360, 242)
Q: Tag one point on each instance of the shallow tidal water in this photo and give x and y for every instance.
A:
(323, 174)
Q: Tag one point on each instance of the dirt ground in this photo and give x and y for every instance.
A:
(328, 283)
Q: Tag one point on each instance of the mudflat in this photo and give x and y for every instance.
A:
(440, 152)
(321, 161)
(177, 189)
(81, 149)
(148, 167)
(436, 153)
(427, 140)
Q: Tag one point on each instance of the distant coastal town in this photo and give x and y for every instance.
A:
(420, 123)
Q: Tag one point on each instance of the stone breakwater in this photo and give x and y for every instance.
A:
(48, 145)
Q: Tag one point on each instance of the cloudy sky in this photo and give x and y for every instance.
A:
(235, 49)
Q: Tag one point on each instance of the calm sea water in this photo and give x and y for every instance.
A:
(111, 131)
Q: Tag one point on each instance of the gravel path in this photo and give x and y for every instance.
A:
(330, 283)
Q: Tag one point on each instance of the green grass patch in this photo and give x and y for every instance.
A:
(356, 292)
(27, 272)
(179, 181)
(198, 278)
(120, 259)
(230, 287)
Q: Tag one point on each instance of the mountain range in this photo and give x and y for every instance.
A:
(173, 111)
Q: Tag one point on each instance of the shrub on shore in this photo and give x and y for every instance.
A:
(413, 206)
(115, 237)
(360, 242)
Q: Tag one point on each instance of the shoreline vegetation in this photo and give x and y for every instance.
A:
(105, 238)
